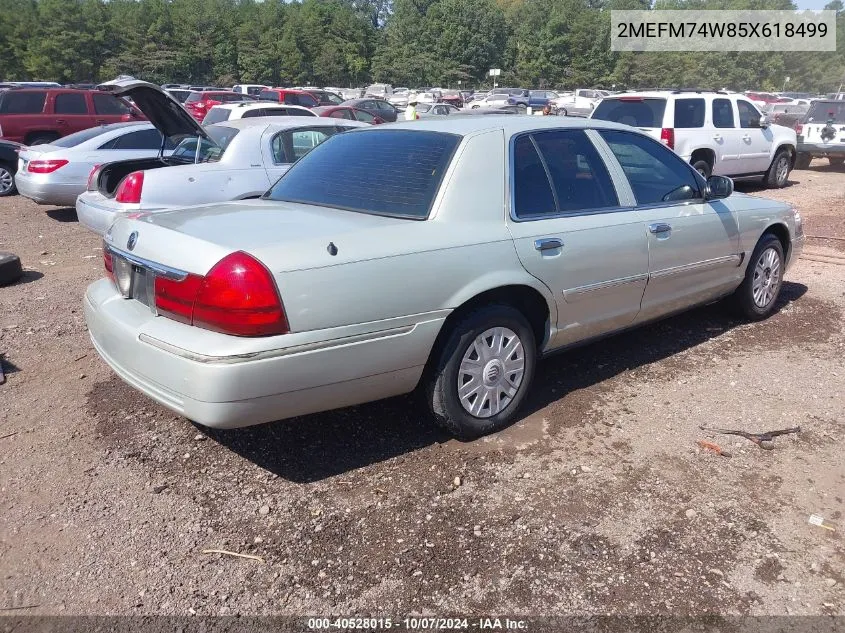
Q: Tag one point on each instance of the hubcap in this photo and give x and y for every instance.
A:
(782, 170)
(6, 180)
(491, 372)
(766, 282)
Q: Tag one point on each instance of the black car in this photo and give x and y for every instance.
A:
(377, 107)
(8, 167)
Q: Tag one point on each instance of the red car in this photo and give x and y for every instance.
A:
(41, 115)
(289, 96)
(198, 103)
(348, 113)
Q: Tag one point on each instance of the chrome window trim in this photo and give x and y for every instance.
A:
(159, 269)
(511, 190)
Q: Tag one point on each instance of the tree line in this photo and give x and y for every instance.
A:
(560, 44)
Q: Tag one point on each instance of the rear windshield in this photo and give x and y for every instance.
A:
(821, 112)
(222, 136)
(636, 112)
(385, 172)
(216, 115)
(72, 140)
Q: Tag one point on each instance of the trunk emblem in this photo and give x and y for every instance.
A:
(133, 239)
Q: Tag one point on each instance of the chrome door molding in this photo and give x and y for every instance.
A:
(733, 261)
(586, 292)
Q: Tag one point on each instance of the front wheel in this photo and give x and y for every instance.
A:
(482, 372)
(756, 296)
(778, 174)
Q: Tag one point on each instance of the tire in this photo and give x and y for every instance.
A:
(562, 112)
(42, 139)
(836, 161)
(7, 181)
(466, 340)
(703, 168)
(778, 175)
(10, 268)
(764, 274)
(802, 160)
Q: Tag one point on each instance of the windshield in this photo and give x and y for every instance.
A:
(634, 111)
(823, 111)
(391, 172)
(209, 152)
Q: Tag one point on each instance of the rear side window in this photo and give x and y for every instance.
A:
(633, 111)
(657, 175)
(298, 112)
(72, 140)
(216, 115)
(689, 113)
(363, 115)
(291, 145)
(108, 104)
(391, 172)
(532, 189)
(13, 102)
(723, 113)
(142, 139)
(341, 114)
(580, 179)
(70, 103)
(208, 152)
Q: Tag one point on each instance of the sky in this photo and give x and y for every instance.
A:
(811, 4)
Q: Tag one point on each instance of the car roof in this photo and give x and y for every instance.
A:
(255, 105)
(510, 124)
(281, 123)
(662, 94)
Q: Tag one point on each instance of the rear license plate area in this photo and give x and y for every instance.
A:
(133, 281)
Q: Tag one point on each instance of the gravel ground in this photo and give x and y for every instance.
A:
(598, 501)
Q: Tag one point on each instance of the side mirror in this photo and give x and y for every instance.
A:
(763, 122)
(718, 187)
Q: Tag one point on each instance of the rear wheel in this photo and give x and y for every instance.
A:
(778, 174)
(42, 139)
(7, 181)
(562, 112)
(482, 372)
(756, 297)
(703, 168)
(802, 160)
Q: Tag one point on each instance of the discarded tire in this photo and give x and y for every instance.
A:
(10, 268)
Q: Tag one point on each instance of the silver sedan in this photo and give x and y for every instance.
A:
(447, 254)
(56, 173)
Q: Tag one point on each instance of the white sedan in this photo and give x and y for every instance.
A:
(446, 254)
(234, 160)
(56, 173)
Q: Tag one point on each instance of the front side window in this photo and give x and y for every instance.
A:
(657, 175)
(748, 115)
(723, 113)
(71, 103)
(363, 115)
(383, 172)
(689, 113)
(110, 105)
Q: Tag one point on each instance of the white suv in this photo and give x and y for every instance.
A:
(717, 132)
(231, 111)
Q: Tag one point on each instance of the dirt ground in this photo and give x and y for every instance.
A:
(599, 501)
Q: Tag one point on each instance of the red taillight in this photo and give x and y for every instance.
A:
(130, 189)
(45, 166)
(199, 105)
(238, 296)
(107, 261)
(667, 137)
(92, 180)
(799, 128)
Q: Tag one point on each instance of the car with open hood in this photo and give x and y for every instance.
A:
(447, 255)
(226, 161)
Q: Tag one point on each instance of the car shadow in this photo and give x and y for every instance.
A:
(315, 447)
(67, 214)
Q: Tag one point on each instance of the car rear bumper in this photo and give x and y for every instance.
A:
(231, 389)
(97, 212)
(821, 149)
(58, 194)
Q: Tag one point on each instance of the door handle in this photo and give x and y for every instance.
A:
(659, 227)
(548, 244)
(717, 137)
(746, 138)
(60, 121)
